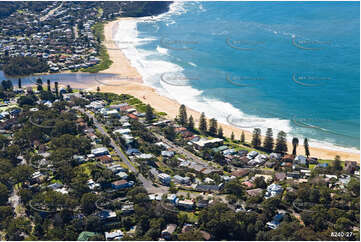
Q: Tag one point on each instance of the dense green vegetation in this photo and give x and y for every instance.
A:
(25, 65)
(103, 54)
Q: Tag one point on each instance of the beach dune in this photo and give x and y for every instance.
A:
(134, 86)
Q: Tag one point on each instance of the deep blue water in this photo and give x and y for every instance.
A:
(296, 63)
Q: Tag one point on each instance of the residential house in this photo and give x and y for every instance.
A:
(293, 175)
(166, 153)
(106, 215)
(240, 172)
(181, 180)
(301, 160)
(251, 155)
(255, 192)
(350, 166)
(185, 204)
(166, 233)
(120, 184)
(164, 178)
(122, 175)
(208, 143)
(115, 235)
(275, 221)
(172, 198)
(100, 151)
(273, 190)
(280, 176)
(85, 235)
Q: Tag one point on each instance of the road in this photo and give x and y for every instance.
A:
(51, 12)
(14, 200)
(148, 184)
(182, 151)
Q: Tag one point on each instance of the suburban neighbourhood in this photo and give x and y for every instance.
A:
(101, 158)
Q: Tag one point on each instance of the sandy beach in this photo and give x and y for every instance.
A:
(122, 67)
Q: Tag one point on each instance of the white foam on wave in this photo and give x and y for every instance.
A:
(161, 50)
(151, 66)
(192, 64)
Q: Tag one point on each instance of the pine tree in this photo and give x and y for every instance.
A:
(190, 125)
(57, 89)
(268, 141)
(305, 144)
(256, 137)
(148, 113)
(49, 87)
(281, 143)
(203, 123)
(98, 89)
(232, 136)
(69, 89)
(19, 83)
(182, 118)
(295, 144)
(337, 163)
(220, 132)
(39, 83)
(213, 127)
(170, 133)
(243, 139)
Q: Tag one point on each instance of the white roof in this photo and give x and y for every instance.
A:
(203, 142)
(99, 150)
(122, 131)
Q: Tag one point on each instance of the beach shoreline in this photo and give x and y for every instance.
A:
(136, 87)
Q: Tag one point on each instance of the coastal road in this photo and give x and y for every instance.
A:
(148, 184)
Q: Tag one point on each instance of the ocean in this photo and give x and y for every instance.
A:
(291, 66)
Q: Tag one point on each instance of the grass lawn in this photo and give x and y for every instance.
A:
(330, 162)
(192, 216)
(55, 181)
(86, 167)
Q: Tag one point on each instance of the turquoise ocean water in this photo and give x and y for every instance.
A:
(291, 66)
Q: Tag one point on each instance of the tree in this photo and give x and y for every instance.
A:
(305, 144)
(268, 141)
(4, 194)
(260, 182)
(88, 201)
(203, 123)
(232, 136)
(49, 87)
(19, 83)
(39, 84)
(234, 187)
(69, 89)
(170, 133)
(220, 132)
(190, 125)
(98, 89)
(182, 117)
(281, 143)
(148, 113)
(256, 137)
(243, 137)
(294, 144)
(57, 89)
(191, 235)
(336, 165)
(213, 127)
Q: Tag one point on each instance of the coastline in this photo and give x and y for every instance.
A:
(135, 86)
